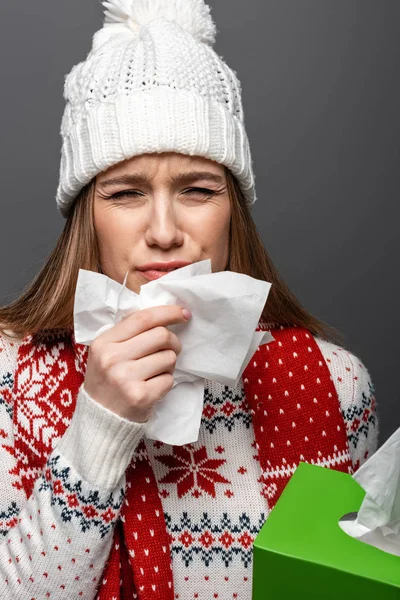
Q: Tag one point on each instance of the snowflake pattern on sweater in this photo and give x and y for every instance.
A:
(56, 543)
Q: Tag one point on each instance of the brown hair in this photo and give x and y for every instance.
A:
(47, 303)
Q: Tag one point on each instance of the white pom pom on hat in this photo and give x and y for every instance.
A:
(192, 15)
(151, 83)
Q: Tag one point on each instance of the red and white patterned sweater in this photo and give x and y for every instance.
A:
(55, 544)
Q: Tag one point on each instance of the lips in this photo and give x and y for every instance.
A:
(161, 270)
(152, 274)
(158, 269)
(164, 266)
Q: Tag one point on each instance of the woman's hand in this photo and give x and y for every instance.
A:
(130, 366)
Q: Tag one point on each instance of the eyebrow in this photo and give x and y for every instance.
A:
(183, 178)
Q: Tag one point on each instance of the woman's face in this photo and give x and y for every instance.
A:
(161, 207)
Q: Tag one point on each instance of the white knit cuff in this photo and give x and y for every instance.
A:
(98, 443)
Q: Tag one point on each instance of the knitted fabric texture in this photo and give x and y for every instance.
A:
(292, 422)
(152, 83)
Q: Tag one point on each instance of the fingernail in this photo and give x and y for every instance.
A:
(186, 313)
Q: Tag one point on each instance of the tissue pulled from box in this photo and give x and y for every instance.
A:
(378, 520)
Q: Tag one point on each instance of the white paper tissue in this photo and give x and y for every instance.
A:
(378, 520)
(217, 342)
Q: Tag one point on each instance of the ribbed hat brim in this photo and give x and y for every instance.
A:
(159, 120)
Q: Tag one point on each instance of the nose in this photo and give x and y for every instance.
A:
(164, 227)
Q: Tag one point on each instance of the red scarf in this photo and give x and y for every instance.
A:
(296, 417)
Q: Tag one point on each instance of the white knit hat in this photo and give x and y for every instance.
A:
(151, 83)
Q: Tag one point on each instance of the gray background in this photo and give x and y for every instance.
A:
(321, 97)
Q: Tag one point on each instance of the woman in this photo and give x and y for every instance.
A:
(156, 168)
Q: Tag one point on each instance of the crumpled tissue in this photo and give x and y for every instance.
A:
(217, 342)
(378, 521)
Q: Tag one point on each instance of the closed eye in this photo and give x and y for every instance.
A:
(201, 191)
(124, 193)
(132, 193)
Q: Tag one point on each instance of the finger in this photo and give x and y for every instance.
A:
(143, 320)
(150, 366)
(147, 343)
(158, 386)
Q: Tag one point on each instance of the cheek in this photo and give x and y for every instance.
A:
(115, 238)
(110, 226)
(214, 230)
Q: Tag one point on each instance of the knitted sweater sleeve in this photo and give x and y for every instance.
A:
(357, 400)
(55, 543)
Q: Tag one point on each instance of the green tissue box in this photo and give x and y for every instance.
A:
(301, 551)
